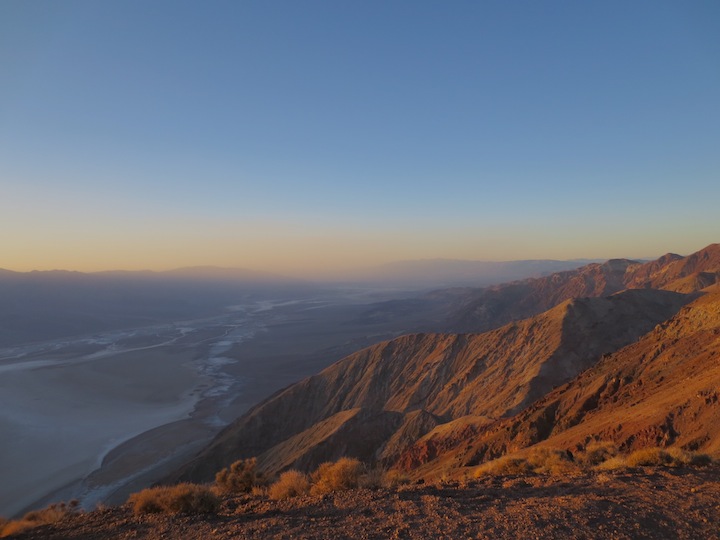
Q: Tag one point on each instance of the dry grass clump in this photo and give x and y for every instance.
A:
(290, 484)
(240, 477)
(344, 474)
(539, 460)
(506, 465)
(394, 478)
(657, 457)
(380, 478)
(650, 457)
(670, 457)
(551, 461)
(596, 453)
(179, 499)
(612, 464)
(51, 514)
(693, 459)
(600, 456)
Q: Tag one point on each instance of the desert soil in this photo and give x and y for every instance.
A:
(654, 503)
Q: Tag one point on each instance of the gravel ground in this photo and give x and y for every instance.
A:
(654, 503)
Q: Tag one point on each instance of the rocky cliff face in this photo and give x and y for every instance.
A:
(442, 377)
(662, 390)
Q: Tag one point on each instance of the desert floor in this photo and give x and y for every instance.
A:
(630, 504)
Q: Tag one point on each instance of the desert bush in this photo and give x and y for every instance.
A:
(343, 474)
(596, 453)
(51, 514)
(650, 457)
(539, 460)
(178, 499)
(394, 478)
(373, 478)
(685, 457)
(380, 478)
(290, 484)
(259, 491)
(551, 461)
(240, 477)
(505, 465)
(612, 464)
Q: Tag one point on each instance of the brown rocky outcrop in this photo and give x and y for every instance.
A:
(663, 390)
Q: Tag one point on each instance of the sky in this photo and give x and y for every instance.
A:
(305, 138)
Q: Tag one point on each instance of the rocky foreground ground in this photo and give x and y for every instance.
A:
(654, 503)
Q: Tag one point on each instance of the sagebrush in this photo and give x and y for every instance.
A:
(51, 514)
(343, 474)
(240, 477)
(290, 484)
(179, 499)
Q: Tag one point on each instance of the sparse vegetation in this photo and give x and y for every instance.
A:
(539, 460)
(596, 452)
(178, 499)
(51, 514)
(601, 456)
(505, 465)
(290, 484)
(240, 477)
(394, 478)
(667, 457)
(343, 474)
(380, 478)
(693, 459)
(612, 464)
(650, 457)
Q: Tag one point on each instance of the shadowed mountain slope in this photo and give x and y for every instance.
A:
(441, 377)
(660, 391)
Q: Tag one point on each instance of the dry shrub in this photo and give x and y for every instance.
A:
(51, 514)
(380, 478)
(671, 457)
(596, 453)
(240, 477)
(551, 461)
(539, 460)
(373, 478)
(259, 491)
(344, 474)
(650, 457)
(505, 465)
(613, 464)
(179, 499)
(394, 478)
(290, 484)
(685, 457)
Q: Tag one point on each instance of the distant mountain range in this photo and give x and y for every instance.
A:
(43, 305)
(624, 351)
(442, 273)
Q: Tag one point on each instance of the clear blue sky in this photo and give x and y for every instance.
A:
(299, 135)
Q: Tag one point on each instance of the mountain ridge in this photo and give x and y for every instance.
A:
(441, 375)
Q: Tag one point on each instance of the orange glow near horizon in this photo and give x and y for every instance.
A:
(303, 252)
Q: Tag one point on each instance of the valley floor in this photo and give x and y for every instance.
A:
(654, 503)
